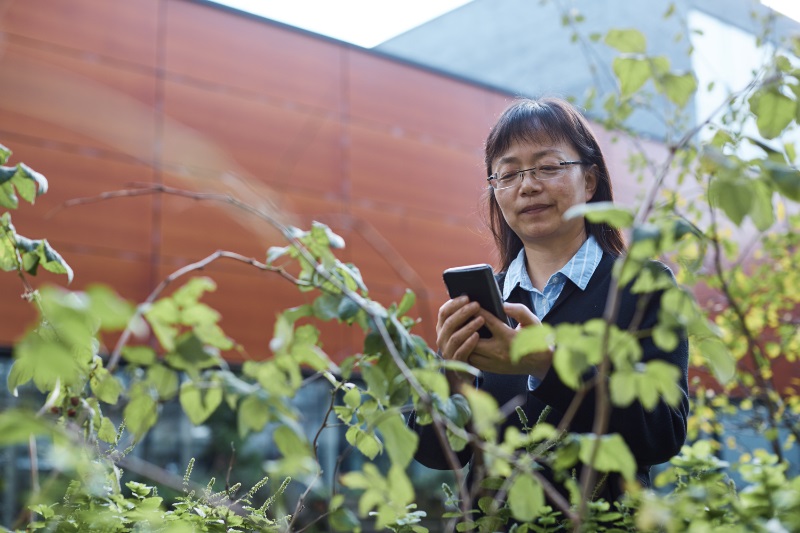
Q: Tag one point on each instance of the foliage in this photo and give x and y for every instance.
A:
(737, 345)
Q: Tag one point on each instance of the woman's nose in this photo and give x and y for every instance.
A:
(529, 181)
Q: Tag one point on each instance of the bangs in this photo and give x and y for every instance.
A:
(530, 122)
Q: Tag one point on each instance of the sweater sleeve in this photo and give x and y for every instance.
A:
(652, 436)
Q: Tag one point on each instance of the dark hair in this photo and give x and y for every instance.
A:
(553, 120)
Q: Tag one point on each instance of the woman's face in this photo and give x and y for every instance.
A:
(533, 208)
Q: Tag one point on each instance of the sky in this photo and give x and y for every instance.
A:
(368, 23)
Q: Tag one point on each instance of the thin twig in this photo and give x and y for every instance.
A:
(314, 444)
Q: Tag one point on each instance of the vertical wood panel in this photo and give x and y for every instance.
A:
(226, 48)
(415, 100)
(117, 29)
(77, 101)
(410, 174)
(286, 148)
(427, 244)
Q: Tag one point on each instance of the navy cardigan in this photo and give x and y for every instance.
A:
(652, 436)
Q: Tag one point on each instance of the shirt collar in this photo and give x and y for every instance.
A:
(579, 269)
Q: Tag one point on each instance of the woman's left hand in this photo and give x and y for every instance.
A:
(492, 355)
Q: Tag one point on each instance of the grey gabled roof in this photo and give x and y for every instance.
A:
(522, 46)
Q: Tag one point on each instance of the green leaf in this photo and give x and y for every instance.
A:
(140, 414)
(762, 212)
(367, 443)
(601, 212)
(632, 73)
(678, 88)
(347, 309)
(8, 240)
(786, 179)
(432, 381)
(578, 348)
(192, 355)
(39, 252)
(406, 303)
(401, 491)
(253, 415)
(190, 293)
(163, 380)
(343, 519)
(352, 398)
(326, 306)
(18, 425)
(200, 400)
(622, 386)
(294, 447)
(532, 339)
(106, 387)
(23, 180)
(485, 412)
(5, 153)
(462, 410)
(613, 454)
(773, 110)
(626, 41)
(719, 359)
(325, 236)
(162, 315)
(664, 378)
(113, 312)
(276, 252)
(526, 497)
(400, 441)
(107, 432)
(197, 313)
(734, 196)
(47, 362)
(665, 338)
(139, 355)
(282, 336)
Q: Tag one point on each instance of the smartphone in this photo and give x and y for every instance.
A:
(478, 283)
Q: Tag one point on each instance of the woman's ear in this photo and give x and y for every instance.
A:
(590, 179)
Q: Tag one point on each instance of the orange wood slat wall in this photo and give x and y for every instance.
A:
(101, 95)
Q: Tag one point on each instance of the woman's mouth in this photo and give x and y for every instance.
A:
(533, 209)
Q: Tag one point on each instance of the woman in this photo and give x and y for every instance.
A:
(542, 159)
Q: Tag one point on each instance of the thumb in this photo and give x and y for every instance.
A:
(521, 314)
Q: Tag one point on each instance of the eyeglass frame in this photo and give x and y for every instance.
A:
(521, 175)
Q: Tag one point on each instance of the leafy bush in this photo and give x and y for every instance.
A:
(737, 344)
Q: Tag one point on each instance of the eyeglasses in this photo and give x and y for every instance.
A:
(547, 170)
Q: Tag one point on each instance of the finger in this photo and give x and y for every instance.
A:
(459, 317)
(521, 314)
(482, 362)
(494, 324)
(453, 313)
(462, 343)
(467, 348)
(449, 307)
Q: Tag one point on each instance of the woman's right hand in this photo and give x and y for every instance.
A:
(457, 328)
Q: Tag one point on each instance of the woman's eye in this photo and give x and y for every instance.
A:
(549, 169)
(508, 174)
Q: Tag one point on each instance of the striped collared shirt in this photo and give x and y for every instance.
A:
(579, 270)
